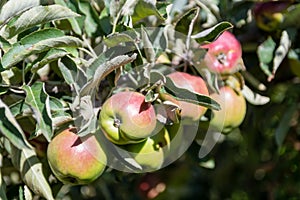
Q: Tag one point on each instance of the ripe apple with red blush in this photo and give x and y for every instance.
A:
(126, 118)
(76, 160)
(224, 55)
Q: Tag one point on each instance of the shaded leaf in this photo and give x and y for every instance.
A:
(145, 8)
(30, 167)
(185, 20)
(284, 125)
(39, 15)
(19, 52)
(210, 34)
(117, 38)
(15, 7)
(10, 128)
(2, 188)
(265, 55)
(4, 44)
(182, 94)
(291, 17)
(147, 46)
(91, 21)
(38, 100)
(74, 23)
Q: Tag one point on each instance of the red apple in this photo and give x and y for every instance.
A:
(224, 55)
(76, 160)
(233, 109)
(193, 83)
(126, 118)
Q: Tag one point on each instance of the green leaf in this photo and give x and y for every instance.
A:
(210, 34)
(103, 69)
(185, 20)
(15, 7)
(291, 17)
(10, 128)
(145, 8)
(72, 74)
(39, 15)
(147, 46)
(284, 125)
(73, 22)
(265, 55)
(41, 35)
(2, 188)
(4, 44)
(182, 94)
(91, 21)
(254, 98)
(117, 38)
(38, 100)
(19, 52)
(27, 162)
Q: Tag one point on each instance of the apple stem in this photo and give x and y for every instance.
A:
(117, 123)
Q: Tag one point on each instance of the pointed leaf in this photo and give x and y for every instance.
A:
(103, 70)
(38, 99)
(284, 125)
(10, 128)
(281, 52)
(182, 94)
(147, 46)
(210, 34)
(19, 52)
(39, 15)
(15, 7)
(27, 162)
(117, 38)
(41, 35)
(145, 8)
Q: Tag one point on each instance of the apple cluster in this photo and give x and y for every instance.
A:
(224, 58)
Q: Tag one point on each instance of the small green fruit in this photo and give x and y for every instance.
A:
(150, 153)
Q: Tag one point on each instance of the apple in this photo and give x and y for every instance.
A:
(150, 153)
(76, 160)
(224, 55)
(126, 118)
(269, 15)
(193, 83)
(233, 109)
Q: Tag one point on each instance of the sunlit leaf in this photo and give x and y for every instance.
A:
(254, 98)
(15, 7)
(210, 34)
(19, 52)
(281, 51)
(10, 128)
(27, 162)
(38, 100)
(39, 15)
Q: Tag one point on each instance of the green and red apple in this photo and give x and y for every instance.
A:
(76, 160)
(126, 118)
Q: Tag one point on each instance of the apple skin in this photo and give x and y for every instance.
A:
(75, 160)
(233, 110)
(126, 118)
(224, 55)
(193, 83)
(150, 153)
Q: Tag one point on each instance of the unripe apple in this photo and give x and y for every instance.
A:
(224, 55)
(126, 118)
(76, 160)
(233, 109)
(193, 83)
(150, 153)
